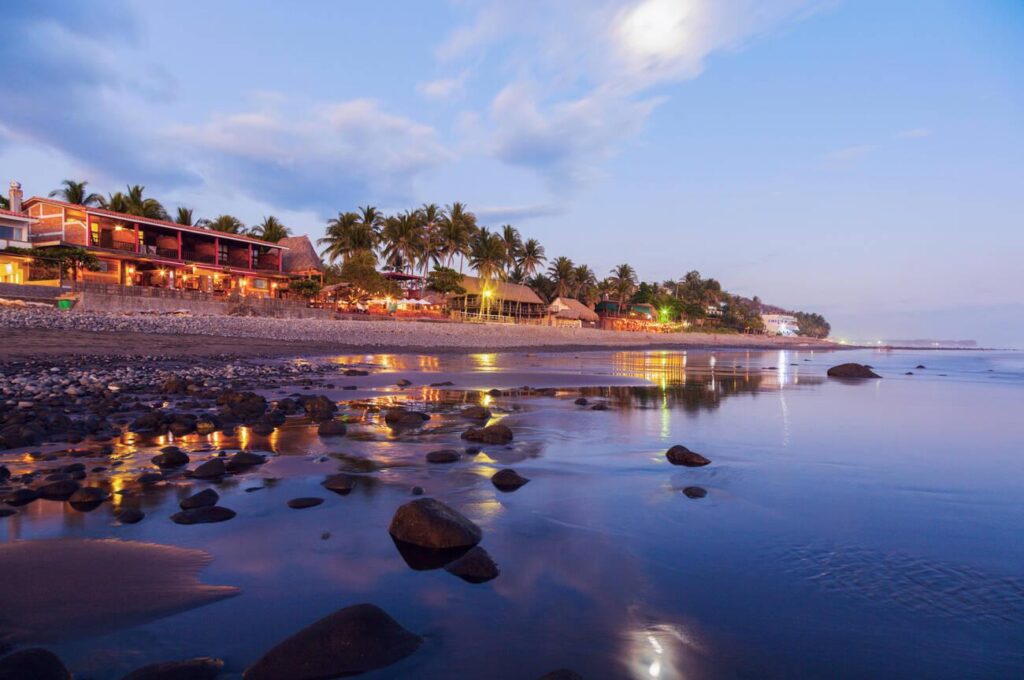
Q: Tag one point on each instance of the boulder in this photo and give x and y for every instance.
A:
(243, 460)
(404, 382)
(171, 456)
(353, 640)
(920, 367)
(305, 502)
(211, 469)
(695, 492)
(852, 371)
(443, 456)
(599, 407)
(508, 480)
(203, 499)
(58, 491)
(148, 478)
(20, 497)
(446, 383)
(429, 523)
(244, 406)
(331, 428)
(204, 515)
(318, 408)
(88, 498)
(476, 413)
(129, 515)
(476, 566)
(33, 663)
(203, 668)
(582, 401)
(5, 473)
(492, 434)
(174, 385)
(680, 455)
(400, 417)
(7, 512)
(355, 372)
(340, 483)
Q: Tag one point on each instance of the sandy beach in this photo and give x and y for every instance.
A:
(26, 333)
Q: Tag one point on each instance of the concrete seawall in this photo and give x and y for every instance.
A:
(90, 301)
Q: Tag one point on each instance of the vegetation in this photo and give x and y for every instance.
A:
(307, 288)
(66, 260)
(429, 239)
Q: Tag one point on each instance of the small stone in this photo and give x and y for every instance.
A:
(417, 491)
(680, 455)
(695, 492)
(476, 413)
(404, 383)
(149, 478)
(476, 566)
(171, 456)
(562, 674)
(508, 480)
(599, 407)
(88, 498)
(205, 515)
(582, 401)
(443, 456)
(58, 491)
(243, 460)
(305, 502)
(203, 499)
(492, 434)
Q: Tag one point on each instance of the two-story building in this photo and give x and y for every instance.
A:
(139, 251)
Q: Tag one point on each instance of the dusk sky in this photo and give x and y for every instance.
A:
(863, 159)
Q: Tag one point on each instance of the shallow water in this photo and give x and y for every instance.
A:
(848, 530)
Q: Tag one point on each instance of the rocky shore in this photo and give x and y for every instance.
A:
(28, 332)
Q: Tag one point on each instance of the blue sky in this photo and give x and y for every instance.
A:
(862, 159)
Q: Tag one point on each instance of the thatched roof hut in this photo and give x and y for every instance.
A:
(301, 259)
(504, 299)
(502, 290)
(571, 308)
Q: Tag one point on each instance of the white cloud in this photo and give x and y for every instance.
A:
(608, 54)
(851, 153)
(318, 156)
(913, 133)
(443, 88)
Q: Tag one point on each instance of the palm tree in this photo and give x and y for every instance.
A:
(270, 229)
(349, 233)
(487, 256)
(531, 257)
(623, 281)
(4, 203)
(457, 229)
(228, 224)
(142, 206)
(561, 272)
(74, 192)
(430, 218)
(513, 245)
(585, 283)
(184, 217)
(402, 240)
(117, 202)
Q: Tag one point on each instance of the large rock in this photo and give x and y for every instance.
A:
(443, 456)
(304, 502)
(852, 371)
(492, 434)
(205, 515)
(170, 456)
(34, 663)
(211, 469)
(244, 406)
(129, 515)
(203, 499)
(429, 523)
(319, 408)
(331, 428)
(356, 639)
(476, 566)
(340, 483)
(508, 480)
(400, 417)
(680, 455)
(20, 497)
(88, 498)
(58, 491)
(476, 413)
(243, 460)
(203, 668)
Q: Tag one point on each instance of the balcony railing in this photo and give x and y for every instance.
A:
(169, 253)
(193, 256)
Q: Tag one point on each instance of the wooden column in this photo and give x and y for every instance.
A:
(179, 246)
(250, 257)
(88, 229)
(216, 250)
(280, 260)
(137, 249)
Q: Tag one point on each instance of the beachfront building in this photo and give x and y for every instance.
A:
(780, 324)
(140, 251)
(300, 258)
(14, 228)
(496, 301)
(566, 311)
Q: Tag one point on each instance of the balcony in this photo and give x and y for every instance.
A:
(193, 256)
(168, 253)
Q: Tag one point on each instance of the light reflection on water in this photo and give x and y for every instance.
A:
(608, 565)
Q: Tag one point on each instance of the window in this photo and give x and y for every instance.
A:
(11, 233)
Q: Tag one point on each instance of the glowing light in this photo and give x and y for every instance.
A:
(488, 292)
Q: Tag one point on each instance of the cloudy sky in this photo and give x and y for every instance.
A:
(861, 158)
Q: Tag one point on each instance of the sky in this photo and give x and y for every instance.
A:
(863, 159)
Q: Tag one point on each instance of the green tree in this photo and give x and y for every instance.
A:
(487, 257)
(513, 246)
(307, 288)
(446, 281)
(360, 272)
(458, 226)
(812, 325)
(270, 229)
(561, 271)
(584, 284)
(65, 259)
(184, 216)
(228, 224)
(623, 282)
(75, 192)
(531, 257)
(401, 241)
